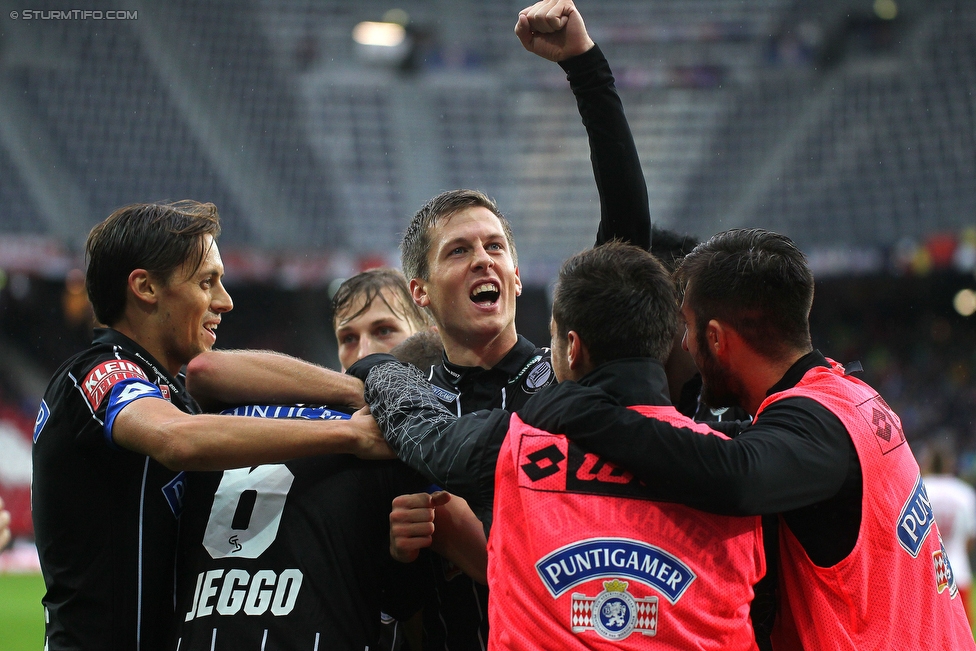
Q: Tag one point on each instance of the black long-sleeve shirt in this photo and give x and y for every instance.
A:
(624, 215)
(460, 454)
(796, 459)
(624, 212)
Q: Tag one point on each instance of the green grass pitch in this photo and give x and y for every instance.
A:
(21, 615)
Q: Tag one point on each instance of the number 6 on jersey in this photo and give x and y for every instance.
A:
(246, 511)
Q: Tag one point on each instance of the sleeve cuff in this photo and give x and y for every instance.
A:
(363, 366)
(590, 61)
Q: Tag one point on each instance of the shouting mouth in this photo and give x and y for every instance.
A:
(485, 294)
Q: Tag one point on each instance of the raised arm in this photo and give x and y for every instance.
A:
(554, 30)
(217, 379)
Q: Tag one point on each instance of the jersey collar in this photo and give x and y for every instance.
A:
(110, 337)
(796, 372)
(510, 365)
(631, 381)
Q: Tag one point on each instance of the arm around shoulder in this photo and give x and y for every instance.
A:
(182, 441)
(236, 377)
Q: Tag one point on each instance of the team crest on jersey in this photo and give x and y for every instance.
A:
(443, 394)
(944, 578)
(42, 415)
(525, 367)
(538, 377)
(103, 377)
(614, 613)
(174, 492)
(916, 519)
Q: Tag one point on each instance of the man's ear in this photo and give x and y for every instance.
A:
(419, 293)
(577, 354)
(144, 287)
(518, 283)
(718, 338)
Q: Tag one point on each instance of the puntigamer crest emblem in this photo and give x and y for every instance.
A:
(614, 614)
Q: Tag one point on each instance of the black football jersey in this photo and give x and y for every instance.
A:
(507, 385)
(458, 618)
(292, 555)
(105, 518)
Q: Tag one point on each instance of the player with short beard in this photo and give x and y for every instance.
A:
(825, 455)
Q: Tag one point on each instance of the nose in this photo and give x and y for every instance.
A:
(481, 259)
(365, 347)
(221, 300)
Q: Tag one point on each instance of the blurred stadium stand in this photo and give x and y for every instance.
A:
(850, 125)
(762, 112)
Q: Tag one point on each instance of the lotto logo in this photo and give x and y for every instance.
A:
(883, 422)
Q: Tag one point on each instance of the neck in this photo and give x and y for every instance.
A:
(463, 352)
(145, 337)
(764, 375)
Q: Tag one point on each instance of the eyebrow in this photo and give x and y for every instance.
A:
(491, 237)
(212, 271)
(381, 320)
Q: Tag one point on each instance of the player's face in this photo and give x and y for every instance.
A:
(189, 307)
(473, 281)
(377, 330)
(720, 387)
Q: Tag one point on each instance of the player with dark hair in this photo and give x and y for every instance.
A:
(460, 257)
(577, 553)
(858, 547)
(624, 213)
(372, 312)
(116, 426)
(422, 349)
(684, 380)
(292, 555)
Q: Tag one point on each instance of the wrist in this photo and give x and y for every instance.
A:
(592, 57)
(352, 391)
